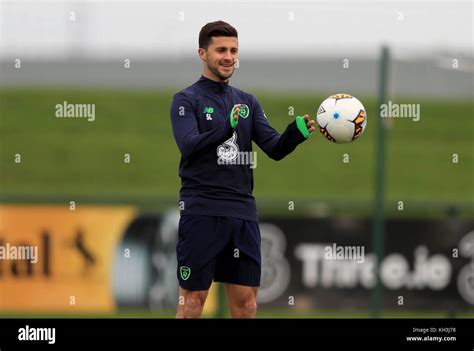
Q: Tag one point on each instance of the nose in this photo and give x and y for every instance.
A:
(228, 56)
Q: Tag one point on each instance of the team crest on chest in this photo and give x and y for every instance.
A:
(244, 111)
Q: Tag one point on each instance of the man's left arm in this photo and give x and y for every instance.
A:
(274, 144)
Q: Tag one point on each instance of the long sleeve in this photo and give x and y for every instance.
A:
(274, 144)
(185, 128)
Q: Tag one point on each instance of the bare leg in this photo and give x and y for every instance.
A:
(242, 300)
(191, 303)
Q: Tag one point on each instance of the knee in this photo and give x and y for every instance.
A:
(246, 307)
(193, 307)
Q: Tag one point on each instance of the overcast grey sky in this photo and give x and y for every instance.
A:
(105, 29)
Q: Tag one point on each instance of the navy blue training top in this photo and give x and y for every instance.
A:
(215, 168)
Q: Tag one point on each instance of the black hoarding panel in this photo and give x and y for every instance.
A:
(328, 263)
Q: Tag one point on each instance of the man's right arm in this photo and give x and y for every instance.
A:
(185, 128)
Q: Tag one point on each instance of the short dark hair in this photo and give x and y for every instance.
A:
(215, 29)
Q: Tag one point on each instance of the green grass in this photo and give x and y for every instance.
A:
(262, 313)
(74, 157)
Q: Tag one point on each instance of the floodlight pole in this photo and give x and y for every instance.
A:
(378, 221)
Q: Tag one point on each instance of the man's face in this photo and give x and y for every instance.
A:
(220, 57)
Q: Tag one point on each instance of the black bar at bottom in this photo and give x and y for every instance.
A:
(433, 334)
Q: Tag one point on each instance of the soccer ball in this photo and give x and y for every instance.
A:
(341, 118)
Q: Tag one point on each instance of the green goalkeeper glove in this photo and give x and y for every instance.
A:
(305, 125)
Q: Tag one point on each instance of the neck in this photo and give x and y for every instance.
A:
(211, 76)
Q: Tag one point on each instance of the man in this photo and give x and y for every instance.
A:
(214, 125)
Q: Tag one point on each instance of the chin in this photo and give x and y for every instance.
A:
(225, 75)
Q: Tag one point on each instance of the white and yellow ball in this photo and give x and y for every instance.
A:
(341, 118)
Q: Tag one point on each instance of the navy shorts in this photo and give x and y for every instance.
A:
(222, 249)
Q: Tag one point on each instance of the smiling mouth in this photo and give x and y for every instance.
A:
(227, 65)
